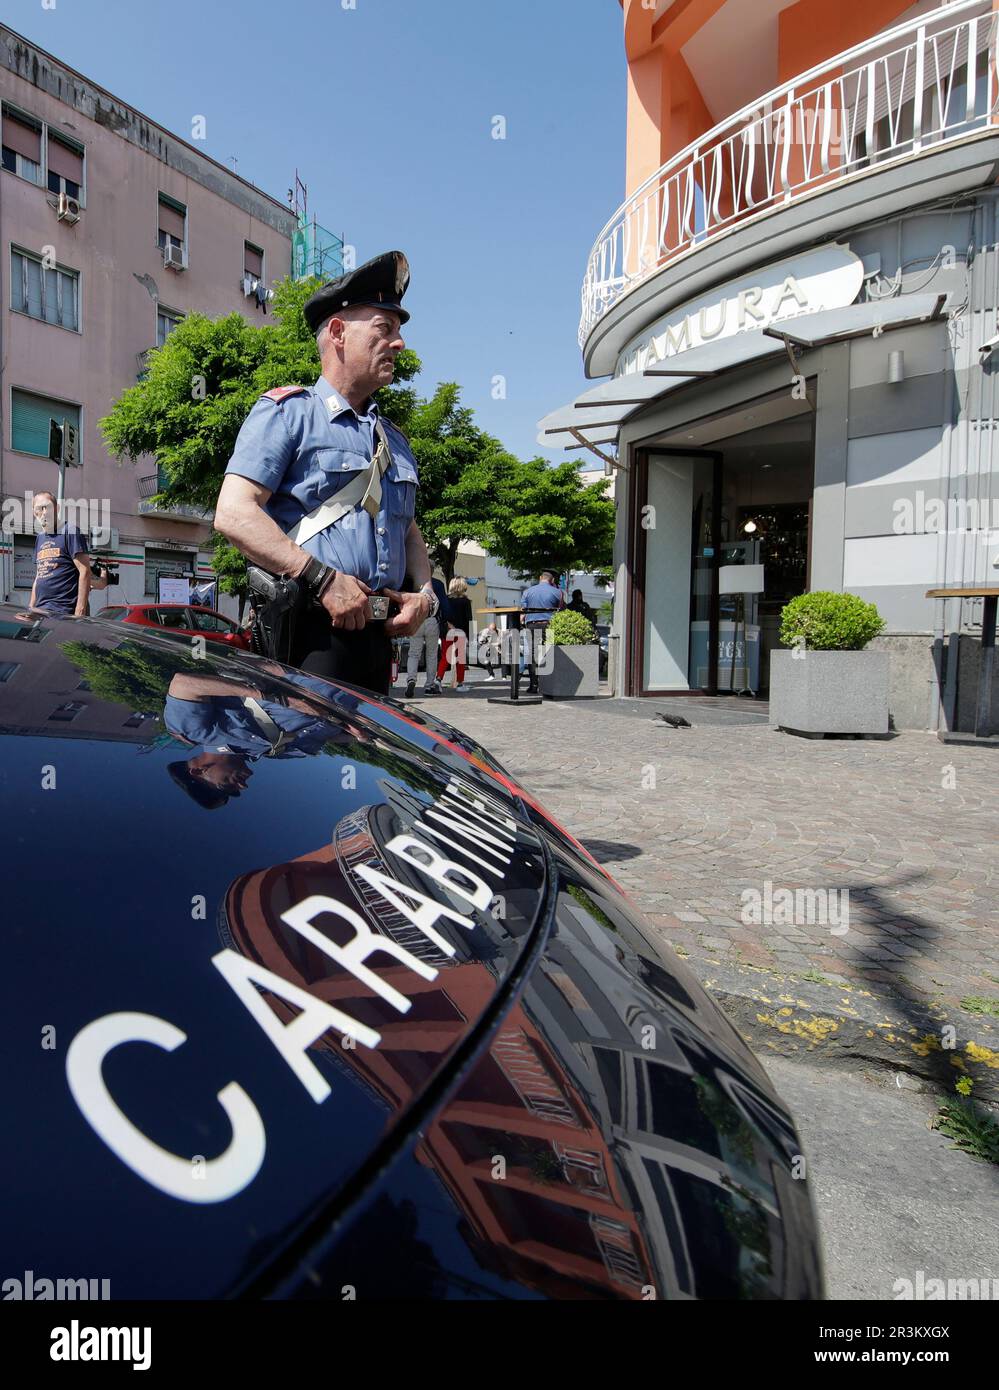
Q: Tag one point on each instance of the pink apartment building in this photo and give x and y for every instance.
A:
(111, 230)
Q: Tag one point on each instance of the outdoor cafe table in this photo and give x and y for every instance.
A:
(984, 728)
(515, 697)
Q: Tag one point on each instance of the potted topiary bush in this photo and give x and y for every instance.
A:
(572, 667)
(827, 683)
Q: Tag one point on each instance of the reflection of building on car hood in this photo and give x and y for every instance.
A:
(518, 1099)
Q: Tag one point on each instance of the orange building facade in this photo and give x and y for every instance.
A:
(790, 316)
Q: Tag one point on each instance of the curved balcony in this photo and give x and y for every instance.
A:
(841, 122)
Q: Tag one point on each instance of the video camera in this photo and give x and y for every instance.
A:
(105, 568)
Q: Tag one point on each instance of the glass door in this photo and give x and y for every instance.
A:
(678, 518)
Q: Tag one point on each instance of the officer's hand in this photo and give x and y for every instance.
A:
(414, 609)
(346, 602)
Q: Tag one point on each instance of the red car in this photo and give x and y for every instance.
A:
(184, 619)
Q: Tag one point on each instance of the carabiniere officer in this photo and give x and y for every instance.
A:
(301, 446)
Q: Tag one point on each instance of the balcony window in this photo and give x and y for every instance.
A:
(67, 712)
(22, 145)
(166, 321)
(23, 632)
(30, 418)
(253, 261)
(65, 166)
(49, 293)
(172, 224)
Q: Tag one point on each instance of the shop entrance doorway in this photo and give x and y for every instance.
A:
(721, 541)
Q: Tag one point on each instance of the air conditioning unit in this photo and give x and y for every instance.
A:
(173, 258)
(110, 544)
(68, 209)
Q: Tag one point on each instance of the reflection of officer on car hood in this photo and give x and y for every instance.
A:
(235, 724)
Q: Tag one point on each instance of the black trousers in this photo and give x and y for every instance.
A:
(360, 658)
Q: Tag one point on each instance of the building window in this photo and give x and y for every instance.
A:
(136, 720)
(30, 418)
(166, 321)
(68, 711)
(23, 632)
(65, 166)
(22, 145)
(172, 224)
(8, 670)
(253, 261)
(50, 293)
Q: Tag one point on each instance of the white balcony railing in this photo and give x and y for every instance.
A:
(856, 112)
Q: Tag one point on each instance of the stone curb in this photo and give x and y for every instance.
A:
(839, 1024)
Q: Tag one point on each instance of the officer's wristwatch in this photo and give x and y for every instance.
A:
(435, 603)
(316, 577)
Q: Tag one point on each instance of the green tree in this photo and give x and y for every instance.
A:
(548, 518)
(463, 473)
(131, 674)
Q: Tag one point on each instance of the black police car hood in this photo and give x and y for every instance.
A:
(264, 934)
(206, 1036)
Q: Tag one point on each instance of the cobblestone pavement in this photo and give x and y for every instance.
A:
(691, 821)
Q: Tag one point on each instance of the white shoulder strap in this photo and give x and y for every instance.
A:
(365, 490)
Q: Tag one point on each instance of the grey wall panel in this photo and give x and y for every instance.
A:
(904, 607)
(926, 349)
(904, 457)
(879, 511)
(914, 404)
(828, 507)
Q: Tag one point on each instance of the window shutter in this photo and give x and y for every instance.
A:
(25, 139)
(30, 416)
(171, 221)
(65, 161)
(253, 260)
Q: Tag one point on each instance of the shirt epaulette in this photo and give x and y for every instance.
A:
(280, 393)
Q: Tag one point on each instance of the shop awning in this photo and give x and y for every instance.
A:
(858, 320)
(600, 412)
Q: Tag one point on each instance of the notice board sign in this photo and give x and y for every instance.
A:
(174, 590)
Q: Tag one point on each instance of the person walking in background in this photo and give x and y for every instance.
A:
(489, 650)
(455, 651)
(427, 639)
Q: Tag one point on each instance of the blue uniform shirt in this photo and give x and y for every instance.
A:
(305, 448)
(540, 601)
(224, 724)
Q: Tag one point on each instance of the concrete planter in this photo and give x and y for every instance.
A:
(571, 672)
(830, 692)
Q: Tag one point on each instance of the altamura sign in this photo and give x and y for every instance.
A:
(828, 278)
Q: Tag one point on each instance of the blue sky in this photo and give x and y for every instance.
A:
(386, 109)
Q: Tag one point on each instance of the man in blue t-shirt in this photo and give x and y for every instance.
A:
(62, 565)
(541, 600)
(538, 605)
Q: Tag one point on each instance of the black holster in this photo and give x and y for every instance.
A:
(276, 602)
